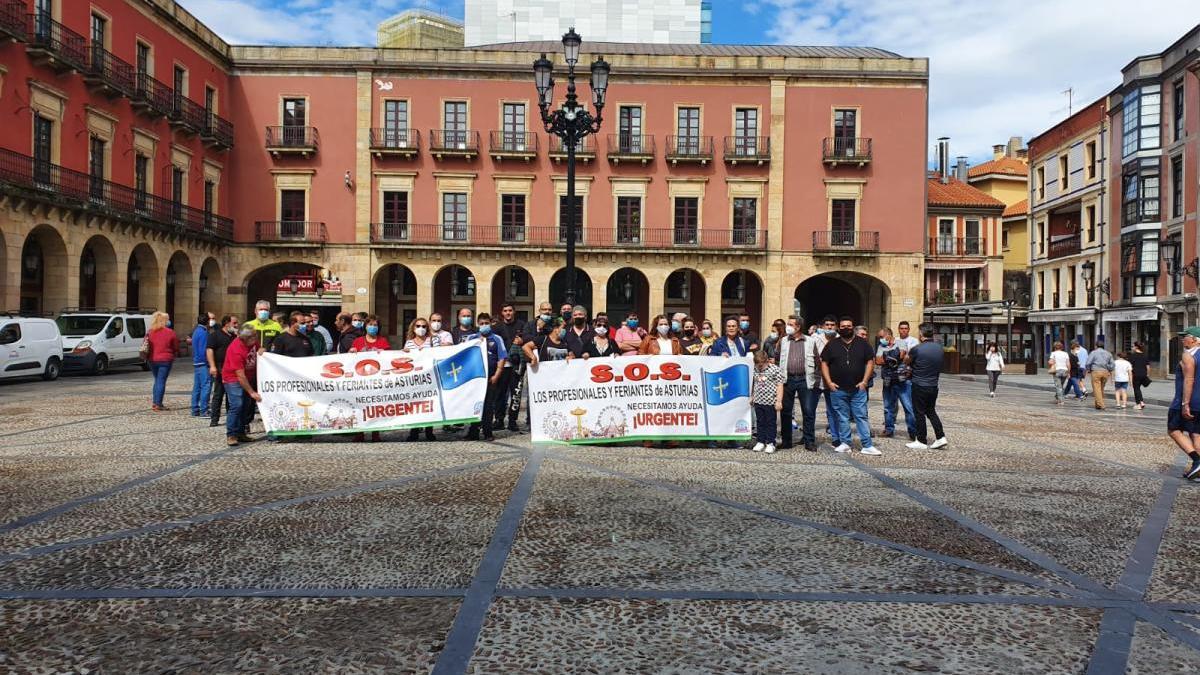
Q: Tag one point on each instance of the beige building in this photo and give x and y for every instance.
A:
(420, 29)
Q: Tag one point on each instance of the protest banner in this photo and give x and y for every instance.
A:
(640, 398)
(372, 391)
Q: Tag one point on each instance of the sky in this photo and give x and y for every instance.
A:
(997, 69)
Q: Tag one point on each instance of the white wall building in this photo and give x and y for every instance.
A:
(645, 21)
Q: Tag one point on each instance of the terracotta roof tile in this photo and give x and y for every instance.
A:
(1006, 166)
(1021, 208)
(958, 193)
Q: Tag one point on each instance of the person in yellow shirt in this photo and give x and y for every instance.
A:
(265, 328)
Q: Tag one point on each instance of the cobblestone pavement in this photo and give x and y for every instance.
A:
(1043, 539)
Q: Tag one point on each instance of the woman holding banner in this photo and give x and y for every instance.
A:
(548, 347)
(418, 336)
(707, 337)
(601, 344)
(731, 343)
(662, 339)
(372, 341)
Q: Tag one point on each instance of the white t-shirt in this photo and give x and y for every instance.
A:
(995, 361)
(906, 344)
(664, 345)
(1061, 360)
(1122, 370)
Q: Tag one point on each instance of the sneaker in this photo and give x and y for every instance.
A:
(939, 443)
(888, 434)
(992, 394)
(842, 448)
(916, 445)
(870, 450)
(243, 438)
(770, 449)
(1194, 472)
(758, 447)
(231, 441)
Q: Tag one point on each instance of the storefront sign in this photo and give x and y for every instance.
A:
(372, 391)
(641, 398)
(1134, 314)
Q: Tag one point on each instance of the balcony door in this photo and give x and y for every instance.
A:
(842, 222)
(96, 149)
(99, 35)
(395, 216)
(43, 138)
(456, 124)
(43, 15)
(687, 220)
(845, 131)
(177, 175)
(291, 214)
(687, 130)
(454, 216)
(395, 124)
(629, 220)
(973, 243)
(745, 131)
(945, 237)
(295, 119)
(629, 129)
(141, 180)
(513, 119)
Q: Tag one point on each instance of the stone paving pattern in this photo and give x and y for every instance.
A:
(1044, 539)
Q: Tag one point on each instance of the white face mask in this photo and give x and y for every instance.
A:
(790, 330)
(663, 330)
(212, 322)
(420, 331)
(435, 325)
(706, 332)
(602, 330)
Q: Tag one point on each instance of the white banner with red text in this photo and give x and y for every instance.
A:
(372, 391)
(640, 398)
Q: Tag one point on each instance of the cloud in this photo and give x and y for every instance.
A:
(996, 69)
(300, 22)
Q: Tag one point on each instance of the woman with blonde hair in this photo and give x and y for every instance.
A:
(160, 349)
(418, 336)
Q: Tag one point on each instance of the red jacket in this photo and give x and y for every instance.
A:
(164, 345)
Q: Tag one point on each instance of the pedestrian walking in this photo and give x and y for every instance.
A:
(1122, 374)
(1081, 358)
(995, 366)
(793, 361)
(1141, 373)
(847, 364)
(1059, 363)
(767, 396)
(219, 339)
(926, 361)
(1182, 425)
(897, 384)
(201, 382)
(239, 378)
(1099, 365)
(163, 349)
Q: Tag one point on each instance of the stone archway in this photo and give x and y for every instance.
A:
(212, 288)
(44, 271)
(98, 273)
(182, 294)
(294, 286)
(394, 299)
(742, 293)
(583, 289)
(143, 283)
(684, 292)
(453, 289)
(862, 297)
(514, 284)
(627, 291)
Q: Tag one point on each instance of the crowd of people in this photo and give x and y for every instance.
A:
(833, 362)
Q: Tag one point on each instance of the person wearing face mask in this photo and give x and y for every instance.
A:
(416, 339)
(510, 329)
(263, 325)
(349, 327)
(793, 361)
(689, 341)
(371, 341)
(602, 343)
(163, 350)
(707, 336)
(201, 382)
(293, 342)
(826, 331)
(897, 387)
(437, 330)
(316, 328)
(464, 328)
(497, 355)
(661, 339)
(629, 335)
(847, 363)
(744, 329)
(238, 376)
(579, 334)
(771, 344)
(219, 339)
(731, 343)
(565, 313)
(550, 346)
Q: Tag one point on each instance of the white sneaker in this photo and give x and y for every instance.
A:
(992, 394)
(939, 443)
(758, 447)
(872, 450)
(916, 445)
(842, 448)
(770, 449)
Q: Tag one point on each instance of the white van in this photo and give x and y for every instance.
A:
(29, 346)
(97, 339)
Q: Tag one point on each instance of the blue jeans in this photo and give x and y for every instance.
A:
(201, 389)
(814, 397)
(898, 392)
(853, 402)
(240, 405)
(160, 371)
(1073, 384)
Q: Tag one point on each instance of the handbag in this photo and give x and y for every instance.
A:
(144, 350)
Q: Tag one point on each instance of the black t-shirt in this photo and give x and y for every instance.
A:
(1140, 364)
(847, 362)
(287, 344)
(508, 331)
(578, 343)
(691, 346)
(345, 341)
(610, 348)
(752, 341)
(218, 342)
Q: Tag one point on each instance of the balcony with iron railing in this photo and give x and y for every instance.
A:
(585, 149)
(555, 237)
(959, 296)
(454, 143)
(395, 142)
(109, 74)
(187, 114)
(290, 232)
(217, 131)
(842, 150)
(961, 247)
(852, 242)
(747, 149)
(68, 189)
(512, 145)
(12, 20)
(698, 149)
(1063, 246)
(630, 147)
(152, 97)
(54, 44)
(292, 140)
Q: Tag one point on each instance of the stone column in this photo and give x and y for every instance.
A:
(363, 185)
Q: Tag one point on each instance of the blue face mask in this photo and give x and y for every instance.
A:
(485, 329)
(264, 315)
(356, 324)
(632, 323)
(170, 324)
(303, 328)
(372, 330)
(464, 321)
(675, 326)
(546, 318)
(745, 325)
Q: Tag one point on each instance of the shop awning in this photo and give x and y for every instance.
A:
(1132, 314)
(1065, 316)
(951, 265)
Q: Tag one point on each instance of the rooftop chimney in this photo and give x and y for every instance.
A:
(960, 168)
(943, 161)
(997, 151)
(1015, 143)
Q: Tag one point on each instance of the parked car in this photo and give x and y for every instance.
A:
(29, 346)
(95, 340)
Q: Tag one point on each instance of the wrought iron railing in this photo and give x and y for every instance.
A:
(288, 136)
(454, 140)
(630, 145)
(289, 231)
(851, 241)
(393, 138)
(846, 149)
(747, 148)
(111, 71)
(515, 142)
(551, 236)
(62, 43)
(689, 147)
(957, 246)
(153, 95)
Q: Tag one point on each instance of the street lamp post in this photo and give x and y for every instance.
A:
(1008, 305)
(1171, 252)
(1088, 271)
(571, 123)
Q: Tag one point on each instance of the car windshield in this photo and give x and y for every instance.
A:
(81, 325)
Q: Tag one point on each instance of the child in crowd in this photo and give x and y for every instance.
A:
(767, 395)
(1122, 374)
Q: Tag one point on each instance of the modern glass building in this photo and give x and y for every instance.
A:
(639, 21)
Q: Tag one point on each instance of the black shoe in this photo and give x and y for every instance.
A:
(784, 446)
(888, 434)
(512, 426)
(810, 447)
(429, 434)
(214, 423)
(489, 438)
(1194, 472)
(912, 437)
(414, 435)
(243, 438)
